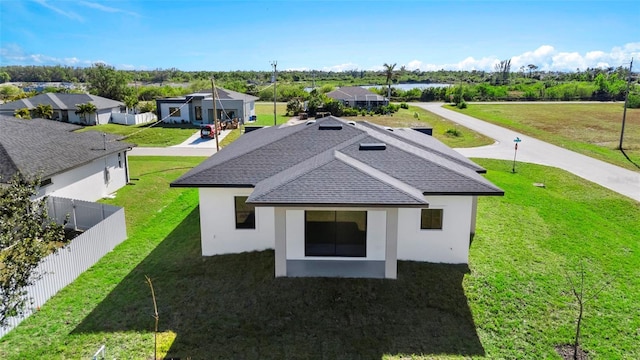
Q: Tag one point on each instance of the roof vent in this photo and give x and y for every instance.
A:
(329, 126)
(373, 146)
(310, 122)
(388, 128)
(352, 123)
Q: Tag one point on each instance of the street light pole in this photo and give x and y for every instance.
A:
(274, 63)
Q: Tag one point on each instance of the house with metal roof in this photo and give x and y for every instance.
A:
(197, 108)
(339, 198)
(65, 105)
(358, 97)
(86, 166)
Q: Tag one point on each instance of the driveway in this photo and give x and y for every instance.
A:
(193, 146)
(622, 181)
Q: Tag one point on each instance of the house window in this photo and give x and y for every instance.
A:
(198, 110)
(174, 112)
(245, 214)
(431, 219)
(336, 233)
(45, 182)
(120, 160)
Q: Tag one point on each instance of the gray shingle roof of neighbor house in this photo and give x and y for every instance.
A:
(222, 94)
(310, 164)
(44, 148)
(353, 93)
(60, 101)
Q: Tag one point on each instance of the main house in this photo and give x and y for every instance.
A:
(338, 198)
(65, 105)
(86, 166)
(197, 108)
(358, 97)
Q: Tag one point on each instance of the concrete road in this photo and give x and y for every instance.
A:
(623, 181)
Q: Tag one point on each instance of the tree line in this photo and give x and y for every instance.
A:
(503, 84)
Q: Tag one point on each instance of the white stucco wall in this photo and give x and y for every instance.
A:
(184, 113)
(88, 182)
(449, 245)
(376, 229)
(218, 227)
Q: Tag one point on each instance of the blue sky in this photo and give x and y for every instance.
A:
(320, 35)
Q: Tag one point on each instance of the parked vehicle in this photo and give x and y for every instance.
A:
(207, 132)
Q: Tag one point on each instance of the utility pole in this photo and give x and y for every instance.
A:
(274, 79)
(626, 101)
(215, 114)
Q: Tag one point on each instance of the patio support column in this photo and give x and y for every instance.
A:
(281, 241)
(474, 212)
(391, 251)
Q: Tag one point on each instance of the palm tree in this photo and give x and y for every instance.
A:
(23, 113)
(85, 109)
(43, 111)
(388, 70)
(131, 101)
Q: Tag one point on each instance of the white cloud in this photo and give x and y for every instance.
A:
(69, 14)
(341, 67)
(546, 57)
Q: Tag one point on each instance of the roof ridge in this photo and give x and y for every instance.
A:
(436, 159)
(56, 100)
(381, 176)
(306, 166)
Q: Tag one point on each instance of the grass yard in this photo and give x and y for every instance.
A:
(512, 302)
(590, 129)
(418, 117)
(264, 113)
(148, 135)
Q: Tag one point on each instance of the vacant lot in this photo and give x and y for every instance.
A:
(590, 129)
(513, 301)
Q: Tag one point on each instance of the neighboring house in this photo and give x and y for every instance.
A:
(338, 198)
(197, 108)
(65, 106)
(358, 97)
(86, 166)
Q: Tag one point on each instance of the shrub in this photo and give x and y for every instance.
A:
(404, 105)
(453, 132)
(634, 101)
(462, 105)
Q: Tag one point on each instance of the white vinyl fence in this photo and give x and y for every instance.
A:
(133, 119)
(104, 227)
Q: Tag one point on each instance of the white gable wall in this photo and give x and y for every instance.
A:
(218, 226)
(88, 182)
(449, 245)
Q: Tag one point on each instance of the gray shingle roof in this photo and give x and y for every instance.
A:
(60, 101)
(222, 94)
(304, 164)
(45, 147)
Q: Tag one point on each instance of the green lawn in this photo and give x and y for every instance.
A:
(590, 129)
(264, 113)
(148, 135)
(512, 302)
